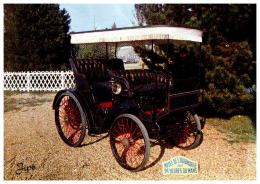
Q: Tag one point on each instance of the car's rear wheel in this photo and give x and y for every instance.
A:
(189, 134)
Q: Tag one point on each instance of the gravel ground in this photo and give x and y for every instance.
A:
(31, 138)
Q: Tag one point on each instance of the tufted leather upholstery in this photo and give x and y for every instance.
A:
(145, 82)
(94, 70)
(98, 71)
(138, 77)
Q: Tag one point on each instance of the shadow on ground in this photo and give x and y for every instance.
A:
(12, 102)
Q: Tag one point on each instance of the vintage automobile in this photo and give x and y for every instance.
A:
(133, 105)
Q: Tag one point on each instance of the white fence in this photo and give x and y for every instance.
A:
(38, 81)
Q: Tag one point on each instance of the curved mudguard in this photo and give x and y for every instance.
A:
(83, 102)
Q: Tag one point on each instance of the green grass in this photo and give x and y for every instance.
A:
(238, 128)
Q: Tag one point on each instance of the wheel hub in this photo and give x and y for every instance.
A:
(125, 142)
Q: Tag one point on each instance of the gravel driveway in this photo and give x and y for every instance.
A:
(31, 139)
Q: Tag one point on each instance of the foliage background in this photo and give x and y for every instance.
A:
(35, 37)
(228, 50)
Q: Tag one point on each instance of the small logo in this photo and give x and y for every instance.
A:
(21, 167)
(180, 165)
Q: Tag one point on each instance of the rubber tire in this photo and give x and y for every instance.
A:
(146, 141)
(83, 119)
(199, 136)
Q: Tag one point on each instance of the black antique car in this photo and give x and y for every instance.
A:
(158, 100)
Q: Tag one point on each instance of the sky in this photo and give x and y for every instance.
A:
(85, 17)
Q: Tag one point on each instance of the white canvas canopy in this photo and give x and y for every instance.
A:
(137, 34)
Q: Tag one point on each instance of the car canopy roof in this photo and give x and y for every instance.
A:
(132, 34)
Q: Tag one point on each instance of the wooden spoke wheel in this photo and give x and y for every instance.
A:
(189, 136)
(130, 142)
(70, 121)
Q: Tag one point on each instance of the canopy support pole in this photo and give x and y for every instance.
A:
(167, 49)
(152, 46)
(106, 51)
(115, 50)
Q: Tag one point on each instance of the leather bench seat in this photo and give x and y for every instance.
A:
(140, 81)
(144, 81)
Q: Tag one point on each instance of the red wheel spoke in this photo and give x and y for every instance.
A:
(72, 135)
(188, 134)
(128, 142)
(136, 128)
(70, 119)
(137, 135)
(116, 131)
(127, 126)
(123, 125)
(116, 141)
(120, 127)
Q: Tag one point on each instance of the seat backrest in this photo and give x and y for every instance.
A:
(138, 77)
(89, 71)
(93, 70)
(114, 64)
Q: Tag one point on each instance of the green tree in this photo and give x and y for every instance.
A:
(35, 37)
(96, 51)
(113, 26)
(228, 49)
